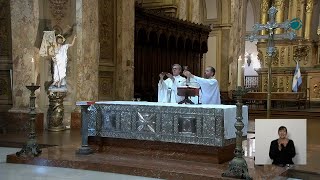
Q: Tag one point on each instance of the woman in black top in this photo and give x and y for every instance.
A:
(282, 149)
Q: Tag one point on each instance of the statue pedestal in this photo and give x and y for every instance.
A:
(56, 110)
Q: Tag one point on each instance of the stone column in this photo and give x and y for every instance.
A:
(24, 27)
(195, 11)
(264, 7)
(318, 57)
(125, 49)
(189, 10)
(182, 9)
(279, 4)
(308, 20)
(87, 50)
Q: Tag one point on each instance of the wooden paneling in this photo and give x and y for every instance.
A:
(160, 42)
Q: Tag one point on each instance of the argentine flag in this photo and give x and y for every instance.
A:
(297, 79)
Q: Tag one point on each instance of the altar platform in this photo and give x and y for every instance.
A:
(112, 160)
(59, 151)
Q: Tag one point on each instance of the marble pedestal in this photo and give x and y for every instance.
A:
(56, 109)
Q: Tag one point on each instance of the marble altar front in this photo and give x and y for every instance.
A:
(209, 125)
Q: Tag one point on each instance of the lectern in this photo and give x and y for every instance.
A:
(188, 92)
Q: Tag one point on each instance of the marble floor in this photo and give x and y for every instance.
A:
(71, 139)
(10, 171)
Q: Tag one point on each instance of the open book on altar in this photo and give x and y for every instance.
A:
(187, 92)
(190, 87)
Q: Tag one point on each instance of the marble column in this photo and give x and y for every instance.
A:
(189, 10)
(195, 11)
(318, 59)
(264, 7)
(182, 9)
(24, 27)
(308, 20)
(125, 49)
(87, 50)
(279, 4)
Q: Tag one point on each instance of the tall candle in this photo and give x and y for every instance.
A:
(32, 71)
(239, 82)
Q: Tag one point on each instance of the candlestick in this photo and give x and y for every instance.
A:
(238, 167)
(31, 148)
(239, 81)
(32, 71)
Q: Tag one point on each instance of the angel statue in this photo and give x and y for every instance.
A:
(60, 61)
(54, 46)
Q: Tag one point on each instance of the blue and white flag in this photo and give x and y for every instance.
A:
(297, 79)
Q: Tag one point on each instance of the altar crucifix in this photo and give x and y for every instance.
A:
(271, 26)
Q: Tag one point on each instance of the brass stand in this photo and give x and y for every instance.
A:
(85, 148)
(55, 111)
(31, 148)
(238, 167)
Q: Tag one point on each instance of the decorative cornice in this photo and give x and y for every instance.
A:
(161, 16)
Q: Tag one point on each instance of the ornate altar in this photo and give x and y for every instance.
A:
(164, 125)
(180, 123)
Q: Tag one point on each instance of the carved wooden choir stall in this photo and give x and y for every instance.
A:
(160, 42)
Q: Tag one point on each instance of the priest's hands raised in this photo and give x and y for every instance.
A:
(169, 75)
(161, 75)
(187, 74)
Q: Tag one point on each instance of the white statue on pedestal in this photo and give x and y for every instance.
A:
(53, 46)
(60, 62)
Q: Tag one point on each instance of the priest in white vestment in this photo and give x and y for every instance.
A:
(168, 89)
(210, 92)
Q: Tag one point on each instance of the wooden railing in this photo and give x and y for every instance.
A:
(259, 98)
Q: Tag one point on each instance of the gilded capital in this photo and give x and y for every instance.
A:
(279, 4)
(309, 6)
(264, 6)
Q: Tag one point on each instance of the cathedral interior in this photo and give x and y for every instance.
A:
(121, 47)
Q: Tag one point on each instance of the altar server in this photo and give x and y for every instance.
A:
(167, 89)
(210, 93)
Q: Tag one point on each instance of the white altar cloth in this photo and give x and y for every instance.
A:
(229, 112)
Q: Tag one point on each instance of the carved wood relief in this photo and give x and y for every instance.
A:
(260, 57)
(282, 56)
(281, 84)
(315, 87)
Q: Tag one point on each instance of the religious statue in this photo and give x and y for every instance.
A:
(60, 59)
(53, 46)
